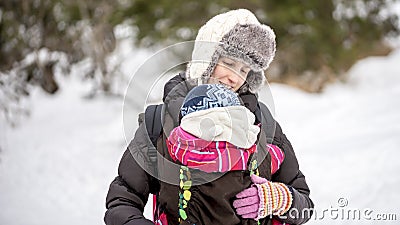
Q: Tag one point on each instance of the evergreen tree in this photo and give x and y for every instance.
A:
(317, 40)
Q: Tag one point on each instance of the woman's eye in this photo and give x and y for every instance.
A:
(227, 63)
(244, 71)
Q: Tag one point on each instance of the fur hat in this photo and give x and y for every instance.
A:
(236, 34)
(208, 96)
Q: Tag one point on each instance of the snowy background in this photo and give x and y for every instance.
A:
(56, 166)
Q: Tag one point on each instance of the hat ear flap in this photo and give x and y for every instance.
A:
(254, 81)
(211, 67)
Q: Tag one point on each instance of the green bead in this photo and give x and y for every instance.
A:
(181, 184)
(254, 164)
(187, 195)
(182, 213)
(187, 185)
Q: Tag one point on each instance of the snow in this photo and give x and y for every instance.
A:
(347, 138)
(56, 167)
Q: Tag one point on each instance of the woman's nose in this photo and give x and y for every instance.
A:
(233, 78)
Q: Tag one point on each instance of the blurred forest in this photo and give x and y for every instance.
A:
(318, 41)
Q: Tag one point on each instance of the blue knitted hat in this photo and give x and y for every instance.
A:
(208, 96)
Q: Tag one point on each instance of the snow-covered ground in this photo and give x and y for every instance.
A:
(56, 167)
(347, 140)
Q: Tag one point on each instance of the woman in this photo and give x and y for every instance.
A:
(234, 49)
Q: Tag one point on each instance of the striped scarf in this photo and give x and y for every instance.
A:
(208, 156)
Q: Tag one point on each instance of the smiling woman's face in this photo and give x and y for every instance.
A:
(231, 73)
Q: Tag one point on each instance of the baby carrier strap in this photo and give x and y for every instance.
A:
(152, 118)
(268, 123)
(262, 159)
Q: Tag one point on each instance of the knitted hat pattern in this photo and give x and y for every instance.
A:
(238, 35)
(208, 96)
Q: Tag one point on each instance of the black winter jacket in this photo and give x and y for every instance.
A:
(129, 191)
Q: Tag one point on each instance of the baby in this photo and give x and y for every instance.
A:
(217, 135)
